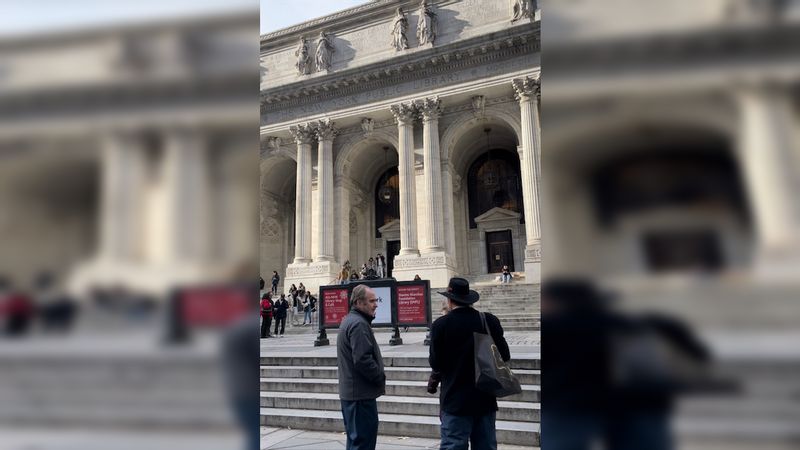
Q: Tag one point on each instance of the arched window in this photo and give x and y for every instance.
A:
(387, 199)
(494, 181)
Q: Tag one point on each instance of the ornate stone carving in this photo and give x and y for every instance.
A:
(479, 106)
(295, 272)
(405, 263)
(526, 88)
(533, 254)
(274, 142)
(426, 27)
(399, 28)
(404, 113)
(353, 223)
(456, 183)
(302, 133)
(270, 228)
(325, 130)
(367, 125)
(324, 52)
(522, 9)
(430, 107)
(303, 63)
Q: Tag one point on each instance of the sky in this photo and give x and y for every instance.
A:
(33, 17)
(277, 14)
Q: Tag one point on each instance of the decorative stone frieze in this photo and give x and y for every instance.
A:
(367, 126)
(479, 106)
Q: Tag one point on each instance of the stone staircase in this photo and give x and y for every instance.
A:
(516, 305)
(108, 391)
(302, 392)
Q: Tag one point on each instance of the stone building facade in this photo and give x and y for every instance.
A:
(404, 128)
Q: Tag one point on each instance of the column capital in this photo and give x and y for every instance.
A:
(430, 107)
(526, 88)
(325, 130)
(404, 113)
(302, 133)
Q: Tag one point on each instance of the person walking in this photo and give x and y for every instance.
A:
(467, 413)
(361, 374)
(281, 306)
(275, 280)
(266, 314)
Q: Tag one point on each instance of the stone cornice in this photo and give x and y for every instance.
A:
(511, 43)
(357, 14)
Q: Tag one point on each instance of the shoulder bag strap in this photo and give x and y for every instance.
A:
(483, 322)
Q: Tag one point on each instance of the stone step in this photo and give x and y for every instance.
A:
(164, 417)
(515, 433)
(530, 393)
(392, 373)
(388, 404)
(388, 361)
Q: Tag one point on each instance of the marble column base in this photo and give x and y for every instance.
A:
(533, 264)
(312, 275)
(437, 267)
(153, 279)
(778, 265)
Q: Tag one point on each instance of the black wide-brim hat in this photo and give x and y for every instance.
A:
(458, 291)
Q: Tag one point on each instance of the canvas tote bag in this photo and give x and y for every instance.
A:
(492, 374)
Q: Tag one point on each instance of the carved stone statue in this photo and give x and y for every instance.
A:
(303, 64)
(324, 52)
(522, 9)
(399, 39)
(426, 27)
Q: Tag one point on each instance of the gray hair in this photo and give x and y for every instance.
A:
(359, 294)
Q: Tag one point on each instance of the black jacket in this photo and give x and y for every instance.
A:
(361, 374)
(452, 353)
(280, 308)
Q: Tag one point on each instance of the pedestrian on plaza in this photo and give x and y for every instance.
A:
(506, 275)
(361, 375)
(267, 307)
(380, 262)
(301, 291)
(354, 276)
(467, 413)
(307, 308)
(280, 315)
(343, 277)
(275, 280)
(364, 271)
(417, 278)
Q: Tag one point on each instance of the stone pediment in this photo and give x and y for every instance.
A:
(497, 214)
(390, 228)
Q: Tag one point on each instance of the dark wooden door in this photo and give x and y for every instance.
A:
(392, 250)
(499, 251)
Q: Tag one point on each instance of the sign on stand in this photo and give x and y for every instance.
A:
(400, 304)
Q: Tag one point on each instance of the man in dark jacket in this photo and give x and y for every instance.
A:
(281, 306)
(361, 375)
(468, 414)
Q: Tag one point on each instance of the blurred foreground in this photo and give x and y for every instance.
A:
(671, 159)
(128, 175)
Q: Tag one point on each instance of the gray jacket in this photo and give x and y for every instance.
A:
(361, 375)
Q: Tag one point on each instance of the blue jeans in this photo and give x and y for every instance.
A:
(246, 411)
(360, 423)
(307, 318)
(459, 431)
(506, 278)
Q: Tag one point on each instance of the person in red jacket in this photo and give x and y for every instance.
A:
(266, 315)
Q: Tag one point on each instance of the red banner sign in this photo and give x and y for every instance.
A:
(216, 305)
(335, 306)
(411, 305)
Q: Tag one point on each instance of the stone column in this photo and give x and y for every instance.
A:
(303, 135)
(325, 132)
(123, 176)
(527, 92)
(404, 114)
(433, 238)
(448, 197)
(767, 142)
(187, 195)
(342, 214)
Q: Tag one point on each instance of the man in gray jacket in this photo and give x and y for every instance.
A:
(361, 375)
